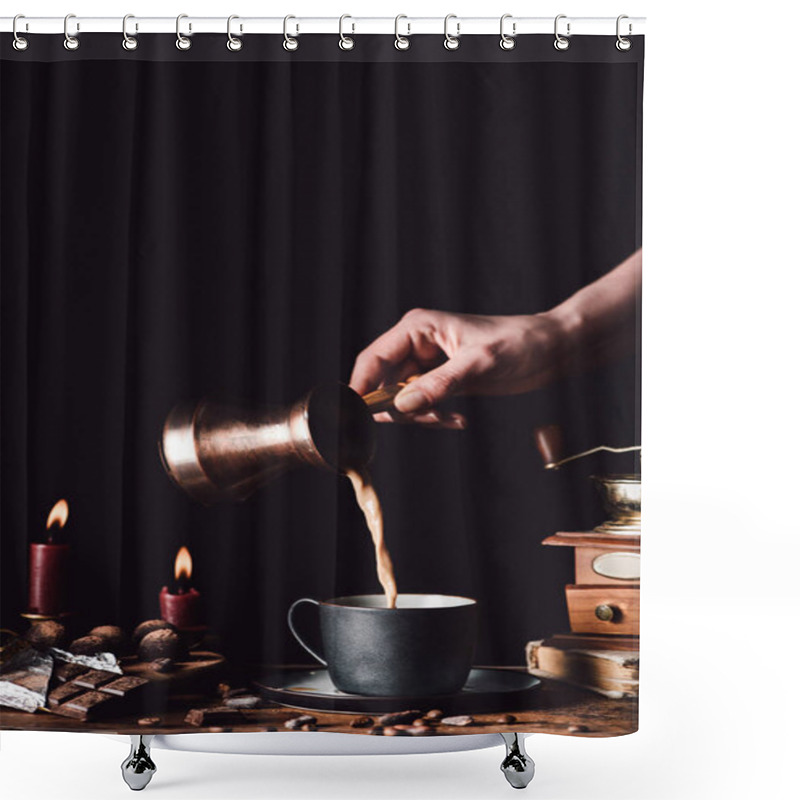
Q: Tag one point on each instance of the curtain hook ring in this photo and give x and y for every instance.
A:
(234, 44)
(129, 42)
(507, 42)
(70, 42)
(401, 42)
(182, 42)
(561, 42)
(451, 42)
(20, 42)
(623, 44)
(289, 42)
(346, 42)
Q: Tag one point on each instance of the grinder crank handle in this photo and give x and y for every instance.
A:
(550, 444)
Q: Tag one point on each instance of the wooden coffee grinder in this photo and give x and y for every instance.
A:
(603, 603)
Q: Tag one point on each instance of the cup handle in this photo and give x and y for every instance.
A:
(294, 630)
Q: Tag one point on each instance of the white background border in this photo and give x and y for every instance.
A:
(719, 707)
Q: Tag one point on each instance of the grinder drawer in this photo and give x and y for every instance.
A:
(603, 609)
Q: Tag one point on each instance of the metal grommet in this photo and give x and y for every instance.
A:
(451, 42)
(70, 42)
(289, 42)
(623, 44)
(346, 42)
(401, 42)
(129, 42)
(234, 44)
(561, 42)
(507, 42)
(20, 42)
(182, 42)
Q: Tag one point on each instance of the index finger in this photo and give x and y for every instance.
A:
(376, 363)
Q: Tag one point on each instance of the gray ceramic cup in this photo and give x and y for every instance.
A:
(423, 647)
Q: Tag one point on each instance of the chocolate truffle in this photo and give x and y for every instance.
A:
(112, 635)
(88, 646)
(161, 643)
(148, 626)
(47, 633)
(162, 665)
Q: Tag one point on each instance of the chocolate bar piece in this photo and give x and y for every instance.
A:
(62, 693)
(217, 715)
(67, 672)
(83, 706)
(114, 694)
(124, 686)
(94, 678)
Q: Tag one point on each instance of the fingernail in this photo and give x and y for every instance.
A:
(410, 400)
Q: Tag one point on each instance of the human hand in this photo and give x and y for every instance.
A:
(459, 354)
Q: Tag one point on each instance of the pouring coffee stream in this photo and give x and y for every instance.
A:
(216, 453)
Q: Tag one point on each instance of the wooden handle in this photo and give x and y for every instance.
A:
(550, 443)
(383, 399)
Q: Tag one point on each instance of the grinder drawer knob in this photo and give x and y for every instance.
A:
(605, 612)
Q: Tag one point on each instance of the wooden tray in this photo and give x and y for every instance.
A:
(198, 667)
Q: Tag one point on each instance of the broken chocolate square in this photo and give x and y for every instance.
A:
(94, 678)
(124, 686)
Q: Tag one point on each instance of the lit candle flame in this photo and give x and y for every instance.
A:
(183, 564)
(58, 515)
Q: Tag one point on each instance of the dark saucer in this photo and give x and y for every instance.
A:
(486, 691)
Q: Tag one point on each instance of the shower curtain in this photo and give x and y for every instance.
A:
(230, 231)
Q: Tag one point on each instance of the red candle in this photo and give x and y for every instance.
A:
(48, 567)
(181, 607)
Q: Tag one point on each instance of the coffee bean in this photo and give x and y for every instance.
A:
(219, 729)
(402, 727)
(577, 729)
(308, 727)
(296, 723)
(394, 731)
(460, 722)
(149, 721)
(421, 730)
(420, 722)
(162, 665)
(361, 722)
(376, 731)
(434, 714)
(269, 729)
(399, 718)
(505, 719)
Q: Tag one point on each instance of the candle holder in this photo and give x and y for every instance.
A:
(34, 617)
(193, 636)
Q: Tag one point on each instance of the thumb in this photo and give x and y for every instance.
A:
(433, 387)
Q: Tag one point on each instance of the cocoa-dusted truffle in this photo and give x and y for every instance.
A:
(148, 626)
(88, 646)
(112, 635)
(47, 633)
(161, 643)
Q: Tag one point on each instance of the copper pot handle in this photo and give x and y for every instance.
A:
(383, 399)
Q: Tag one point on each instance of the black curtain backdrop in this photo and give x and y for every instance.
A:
(183, 225)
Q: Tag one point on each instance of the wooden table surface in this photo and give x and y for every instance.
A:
(554, 708)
